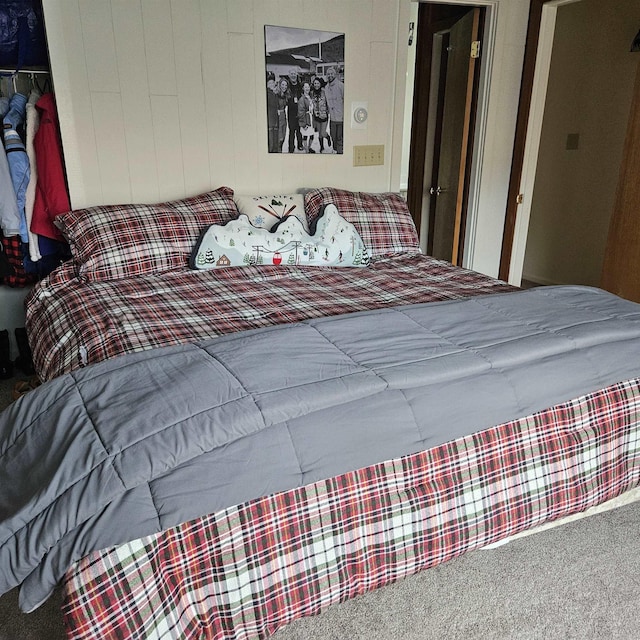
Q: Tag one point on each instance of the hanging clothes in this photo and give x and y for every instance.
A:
(19, 171)
(32, 125)
(9, 212)
(51, 192)
(14, 147)
(13, 250)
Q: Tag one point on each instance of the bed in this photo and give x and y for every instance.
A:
(219, 451)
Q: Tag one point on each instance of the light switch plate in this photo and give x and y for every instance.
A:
(368, 155)
(573, 141)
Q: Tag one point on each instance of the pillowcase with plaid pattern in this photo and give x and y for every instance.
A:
(120, 241)
(382, 219)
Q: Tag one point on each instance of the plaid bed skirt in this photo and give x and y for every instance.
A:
(248, 570)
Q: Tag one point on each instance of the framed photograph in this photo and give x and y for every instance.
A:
(305, 90)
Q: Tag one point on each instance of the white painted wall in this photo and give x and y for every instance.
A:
(589, 93)
(159, 99)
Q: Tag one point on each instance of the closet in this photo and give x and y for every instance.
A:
(12, 315)
(30, 163)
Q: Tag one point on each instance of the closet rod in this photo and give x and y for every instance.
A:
(12, 72)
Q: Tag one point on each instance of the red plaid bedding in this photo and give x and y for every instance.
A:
(71, 323)
(248, 570)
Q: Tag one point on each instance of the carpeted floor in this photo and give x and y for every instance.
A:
(579, 581)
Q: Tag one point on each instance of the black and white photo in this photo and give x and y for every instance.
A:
(305, 90)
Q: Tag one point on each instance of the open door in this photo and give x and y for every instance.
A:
(449, 179)
(439, 173)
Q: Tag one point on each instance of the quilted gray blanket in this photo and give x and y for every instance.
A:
(129, 447)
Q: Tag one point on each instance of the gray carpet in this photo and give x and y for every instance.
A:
(581, 580)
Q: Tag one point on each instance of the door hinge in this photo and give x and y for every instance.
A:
(475, 49)
(520, 198)
(411, 28)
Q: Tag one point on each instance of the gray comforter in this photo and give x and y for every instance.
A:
(142, 442)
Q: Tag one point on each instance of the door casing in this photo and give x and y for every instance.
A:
(539, 40)
(434, 20)
(533, 93)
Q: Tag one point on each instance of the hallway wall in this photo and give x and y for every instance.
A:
(589, 94)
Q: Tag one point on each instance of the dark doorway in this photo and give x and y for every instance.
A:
(444, 108)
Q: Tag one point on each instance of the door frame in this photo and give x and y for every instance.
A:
(423, 65)
(533, 95)
(459, 188)
(428, 103)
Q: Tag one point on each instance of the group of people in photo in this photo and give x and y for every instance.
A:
(306, 116)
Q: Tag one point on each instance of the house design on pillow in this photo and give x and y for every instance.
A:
(334, 242)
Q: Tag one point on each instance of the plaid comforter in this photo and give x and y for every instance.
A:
(73, 323)
(248, 570)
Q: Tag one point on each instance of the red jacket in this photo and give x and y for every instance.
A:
(51, 190)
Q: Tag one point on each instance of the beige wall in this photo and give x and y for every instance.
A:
(589, 93)
(159, 99)
(164, 98)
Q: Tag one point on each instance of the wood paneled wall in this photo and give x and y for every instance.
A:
(159, 99)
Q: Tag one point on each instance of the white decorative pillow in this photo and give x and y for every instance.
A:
(333, 243)
(267, 211)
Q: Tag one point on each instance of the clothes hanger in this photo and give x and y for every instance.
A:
(46, 85)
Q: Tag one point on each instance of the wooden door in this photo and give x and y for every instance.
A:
(621, 267)
(452, 152)
(439, 176)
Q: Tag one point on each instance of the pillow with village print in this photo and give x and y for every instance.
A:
(334, 242)
(267, 211)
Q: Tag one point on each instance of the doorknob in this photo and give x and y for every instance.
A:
(436, 191)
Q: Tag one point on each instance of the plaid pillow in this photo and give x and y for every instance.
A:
(382, 219)
(119, 241)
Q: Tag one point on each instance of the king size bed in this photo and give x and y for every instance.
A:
(219, 449)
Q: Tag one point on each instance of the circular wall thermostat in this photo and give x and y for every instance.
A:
(360, 115)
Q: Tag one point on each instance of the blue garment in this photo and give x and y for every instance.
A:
(9, 214)
(14, 117)
(17, 158)
(54, 253)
